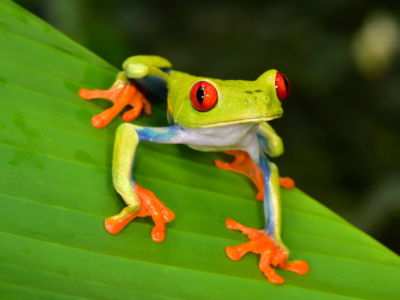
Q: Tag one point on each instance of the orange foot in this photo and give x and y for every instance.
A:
(271, 252)
(243, 164)
(150, 205)
(121, 96)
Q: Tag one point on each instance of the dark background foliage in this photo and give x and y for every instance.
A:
(341, 124)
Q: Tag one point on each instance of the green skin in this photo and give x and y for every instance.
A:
(239, 102)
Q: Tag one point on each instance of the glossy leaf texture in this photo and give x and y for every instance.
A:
(56, 191)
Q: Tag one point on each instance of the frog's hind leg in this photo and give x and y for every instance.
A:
(122, 93)
(243, 164)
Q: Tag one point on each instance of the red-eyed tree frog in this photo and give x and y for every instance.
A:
(207, 115)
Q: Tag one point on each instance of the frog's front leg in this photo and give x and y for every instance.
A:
(140, 202)
(271, 144)
(267, 242)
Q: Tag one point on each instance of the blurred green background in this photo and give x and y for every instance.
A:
(341, 125)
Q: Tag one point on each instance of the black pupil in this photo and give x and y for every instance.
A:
(286, 84)
(200, 95)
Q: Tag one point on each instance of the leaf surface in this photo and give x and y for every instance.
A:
(56, 191)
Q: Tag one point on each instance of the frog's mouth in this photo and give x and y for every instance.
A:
(221, 124)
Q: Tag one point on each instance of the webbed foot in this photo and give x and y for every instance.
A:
(272, 253)
(121, 94)
(244, 165)
(150, 205)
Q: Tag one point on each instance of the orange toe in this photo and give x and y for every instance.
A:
(85, 94)
(158, 234)
(287, 183)
(110, 94)
(137, 104)
(147, 107)
(299, 267)
(100, 121)
(234, 253)
(114, 226)
(230, 223)
(275, 278)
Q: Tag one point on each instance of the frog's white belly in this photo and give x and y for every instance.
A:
(233, 137)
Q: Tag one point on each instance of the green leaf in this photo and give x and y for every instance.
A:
(56, 191)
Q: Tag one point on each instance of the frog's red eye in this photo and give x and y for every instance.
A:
(203, 96)
(282, 86)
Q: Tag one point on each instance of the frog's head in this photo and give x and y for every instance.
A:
(199, 102)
